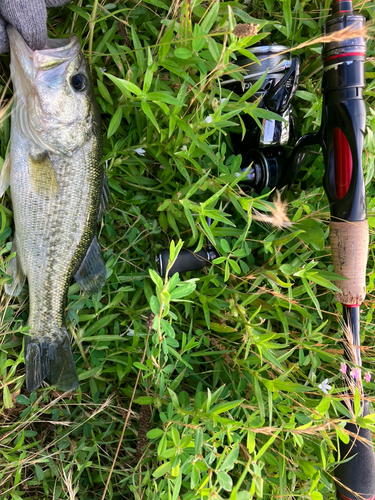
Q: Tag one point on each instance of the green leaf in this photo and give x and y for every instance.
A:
(165, 42)
(90, 374)
(99, 324)
(162, 470)
(104, 92)
(230, 460)
(164, 97)
(312, 296)
(323, 406)
(313, 235)
(139, 52)
(168, 328)
(357, 401)
(226, 406)
(225, 245)
(22, 399)
(290, 386)
(39, 472)
(315, 495)
(124, 86)
(115, 122)
(7, 398)
(265, 447)
(287, 11)
(156, 279)
(155, 433)
(183, 290)
(342, 435)
(235, 267)
(183, 53)
(140, 366)
(198, 440)
(148, 112)
(199, 40)
(158, 3)
(211, 17)
(144, 400)
(225, 481)
(255, 87)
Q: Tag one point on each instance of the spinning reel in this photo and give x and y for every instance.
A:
(262, 149)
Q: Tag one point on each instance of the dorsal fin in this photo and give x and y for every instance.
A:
(104, 197)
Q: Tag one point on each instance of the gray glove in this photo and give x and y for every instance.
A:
(29, 17)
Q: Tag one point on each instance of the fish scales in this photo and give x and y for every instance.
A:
(56, 183)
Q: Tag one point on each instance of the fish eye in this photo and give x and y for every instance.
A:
(79, 82)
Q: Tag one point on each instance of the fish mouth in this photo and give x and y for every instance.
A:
(48, 65)
(54, 53)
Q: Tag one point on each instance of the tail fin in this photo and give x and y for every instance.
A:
(51, 359)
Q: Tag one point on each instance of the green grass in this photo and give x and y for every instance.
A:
(215, 373)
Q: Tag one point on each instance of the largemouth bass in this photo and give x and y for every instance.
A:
(58, 190)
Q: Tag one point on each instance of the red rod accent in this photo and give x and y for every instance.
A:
(343, 163)
(354, 54)
(351, 305)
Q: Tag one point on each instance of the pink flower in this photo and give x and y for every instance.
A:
(367, 377)
(355, 373)
(343, 368)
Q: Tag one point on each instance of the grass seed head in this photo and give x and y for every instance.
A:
(278, 217)
(242, 30)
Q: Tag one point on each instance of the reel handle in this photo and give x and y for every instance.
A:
(187, 260)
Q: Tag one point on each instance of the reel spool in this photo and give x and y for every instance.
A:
(275, 95)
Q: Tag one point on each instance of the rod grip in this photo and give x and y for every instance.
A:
(349, 245)
(355, 477)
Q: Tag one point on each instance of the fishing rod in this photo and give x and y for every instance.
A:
(340, 137)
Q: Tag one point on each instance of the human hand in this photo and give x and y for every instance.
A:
(29, 17)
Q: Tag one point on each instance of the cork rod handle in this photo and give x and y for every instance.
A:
(349, 245)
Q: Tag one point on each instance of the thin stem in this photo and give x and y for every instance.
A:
(92, 26)
(150, 322)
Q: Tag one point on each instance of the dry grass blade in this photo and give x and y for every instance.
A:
(352, 352)
(68, 481)
(338, 36)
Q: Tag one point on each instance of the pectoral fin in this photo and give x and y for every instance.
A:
(5, 175)
(14, 269)
(42, 175)
(92, 274)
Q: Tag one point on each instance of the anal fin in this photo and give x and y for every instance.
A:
(14, 269)
(92, 273)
